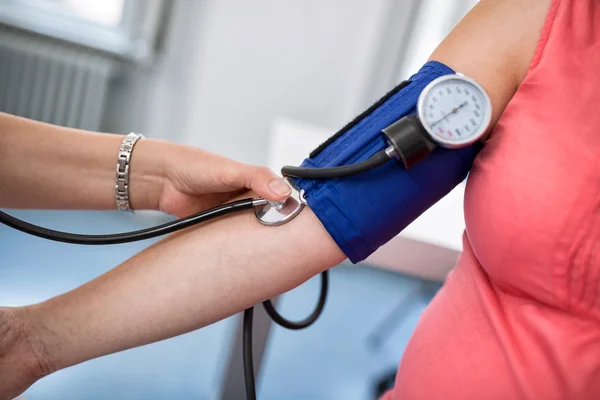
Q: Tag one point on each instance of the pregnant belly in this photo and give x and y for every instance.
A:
(476, 342)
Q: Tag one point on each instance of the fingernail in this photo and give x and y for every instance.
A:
(279, 187)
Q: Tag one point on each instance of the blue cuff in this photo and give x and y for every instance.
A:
(365, 211)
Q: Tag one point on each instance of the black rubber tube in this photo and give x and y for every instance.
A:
(377, 160)
(126, 237)
(248, 356)
(276, 317)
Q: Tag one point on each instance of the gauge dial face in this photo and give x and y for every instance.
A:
(455, 110)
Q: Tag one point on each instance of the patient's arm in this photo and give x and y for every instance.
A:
(185, 282)
(494, 44)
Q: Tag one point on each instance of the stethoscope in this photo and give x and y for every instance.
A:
(453, 111)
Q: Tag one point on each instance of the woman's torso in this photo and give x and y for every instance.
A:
(519, 317)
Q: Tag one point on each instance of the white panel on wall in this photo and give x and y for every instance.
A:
(232, 67)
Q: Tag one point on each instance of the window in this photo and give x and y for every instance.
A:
(124, 28)
(105, 12)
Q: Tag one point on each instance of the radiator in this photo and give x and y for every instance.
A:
(51, 81)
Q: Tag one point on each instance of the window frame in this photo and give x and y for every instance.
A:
(133, 39)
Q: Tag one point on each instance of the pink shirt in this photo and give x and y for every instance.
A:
(519, 316)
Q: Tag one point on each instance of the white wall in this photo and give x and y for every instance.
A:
(232, 67)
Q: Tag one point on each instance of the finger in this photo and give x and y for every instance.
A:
(265, 183)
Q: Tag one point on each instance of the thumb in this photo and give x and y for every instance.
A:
(266, 184)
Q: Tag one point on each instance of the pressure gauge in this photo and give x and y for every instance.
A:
(454, 110)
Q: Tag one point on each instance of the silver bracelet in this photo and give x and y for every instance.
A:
(122, 184)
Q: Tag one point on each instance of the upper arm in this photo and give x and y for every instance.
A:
(494, 44)
(266, 261)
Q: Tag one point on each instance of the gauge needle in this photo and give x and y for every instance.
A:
(454, 111)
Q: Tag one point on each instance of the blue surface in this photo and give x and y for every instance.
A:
(330, 360)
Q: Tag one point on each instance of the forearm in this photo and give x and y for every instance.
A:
(51, 167)
(183, 283)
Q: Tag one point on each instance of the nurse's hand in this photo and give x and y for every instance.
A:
(195, 180)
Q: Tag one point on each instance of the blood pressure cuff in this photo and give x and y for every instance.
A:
(365, 211)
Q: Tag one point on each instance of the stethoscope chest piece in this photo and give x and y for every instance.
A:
(278, 213)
